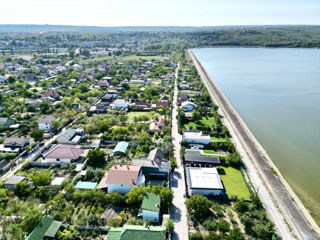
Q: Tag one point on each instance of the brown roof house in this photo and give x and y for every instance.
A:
(51, 94)
(14, 144)
(63, 154)
(121, 179)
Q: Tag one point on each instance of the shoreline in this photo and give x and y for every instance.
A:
(285, 209)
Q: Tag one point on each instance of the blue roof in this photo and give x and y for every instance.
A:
(86, 185)
(121, 147)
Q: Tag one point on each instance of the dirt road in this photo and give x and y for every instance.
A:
(291, 219)
(178, 211)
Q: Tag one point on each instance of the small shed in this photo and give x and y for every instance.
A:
(150, 208)
(47, 227)
(120, 148)
(57, 181)
(11, 182)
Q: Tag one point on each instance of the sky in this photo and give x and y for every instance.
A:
(160, 12)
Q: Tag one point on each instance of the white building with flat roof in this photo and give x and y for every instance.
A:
(196, 137)
(204, 181)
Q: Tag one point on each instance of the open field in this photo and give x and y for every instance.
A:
(131, 115)
(234, 182)
(210, 122)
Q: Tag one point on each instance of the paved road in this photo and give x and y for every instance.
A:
(178, 211)
(272, 189)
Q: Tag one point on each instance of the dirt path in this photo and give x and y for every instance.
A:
(291, 219)
(178, 211)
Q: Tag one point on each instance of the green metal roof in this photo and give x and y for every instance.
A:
(151, 202)
(47, 227)
(121, 147)
(133, 232)
(86, 185)
(114, 233)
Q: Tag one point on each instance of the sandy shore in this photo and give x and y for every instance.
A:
(285, 209)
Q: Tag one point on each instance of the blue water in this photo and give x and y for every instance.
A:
(277, 93)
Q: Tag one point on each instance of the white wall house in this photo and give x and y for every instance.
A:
(188, 106)
(196, 137)
(121, 179)
(63, 153)
(120, 103)
(45, 123)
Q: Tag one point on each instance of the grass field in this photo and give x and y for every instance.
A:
(131, 115)
(214, 139)
(209, 151)
(234, 182)
(210, 122)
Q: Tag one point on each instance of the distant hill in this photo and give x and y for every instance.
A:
(29, 28)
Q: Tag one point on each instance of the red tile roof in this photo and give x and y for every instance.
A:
(123, 174)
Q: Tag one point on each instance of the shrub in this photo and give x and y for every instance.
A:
(223, 226)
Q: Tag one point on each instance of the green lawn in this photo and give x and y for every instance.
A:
(234, 182)
(215, 139)
(209, 151)
(131, 115)
(210, 122)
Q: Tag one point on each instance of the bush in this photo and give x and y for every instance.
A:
(210, 225)
(223, 226)
(170, 225)
(115, 222)
(195, 236)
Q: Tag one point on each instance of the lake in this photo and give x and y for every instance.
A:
(277, 93)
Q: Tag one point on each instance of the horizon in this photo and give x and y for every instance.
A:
(203, 13)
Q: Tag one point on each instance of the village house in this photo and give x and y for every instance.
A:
(11, 182)
(120, 104)
(188, 106)
(45, 123)
(51, 94)
(63, 153)
(70, 136)
(136, 232)
(103, 83)
(46, 228)
(4, 166)
(150, 208)
(5, 122)
(14, 144)
(121, 178)
(196, 137)
(204, 181)
(154, 166)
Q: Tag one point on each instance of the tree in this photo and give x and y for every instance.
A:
(31, 220)
(196, 116)
(96, 157)
(71, 53)
(170, 225)
(199, 207)
(135, 196)
(43, 178)
(195, 236)
(165, 194)
(11, 79)
(45, 107)
(37, 135)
